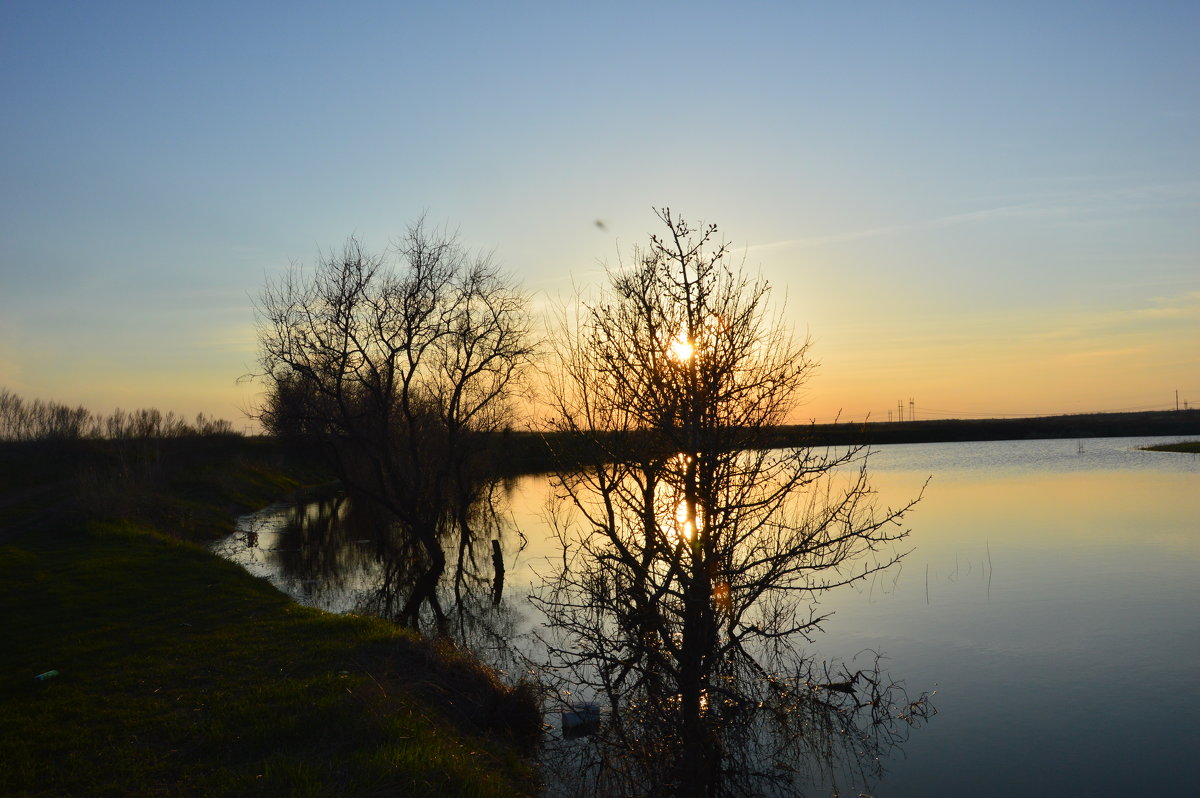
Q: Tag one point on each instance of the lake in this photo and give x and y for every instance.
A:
(1051, 598)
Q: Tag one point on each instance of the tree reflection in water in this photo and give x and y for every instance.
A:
(777, 736)
(345, 556)
(775, 718)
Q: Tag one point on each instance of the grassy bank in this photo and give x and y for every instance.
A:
(180, 674)
(188, 488)
(1187, 447)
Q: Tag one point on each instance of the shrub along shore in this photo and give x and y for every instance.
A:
(172, 672)
(1185, 447)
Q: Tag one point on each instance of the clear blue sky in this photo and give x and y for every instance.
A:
(992, 208)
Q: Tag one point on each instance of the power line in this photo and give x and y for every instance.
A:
(967, 414)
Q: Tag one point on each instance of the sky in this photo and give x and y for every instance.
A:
(989, 209)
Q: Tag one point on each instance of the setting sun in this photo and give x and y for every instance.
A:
(681, 348)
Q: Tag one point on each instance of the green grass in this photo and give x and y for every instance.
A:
(1190, 447)
(180, 675)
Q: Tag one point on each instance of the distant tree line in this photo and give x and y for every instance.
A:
(38, 420)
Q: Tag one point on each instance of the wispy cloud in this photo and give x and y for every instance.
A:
(1184, 306)
(1105, 353)
(1065, 205)
(1169, 323)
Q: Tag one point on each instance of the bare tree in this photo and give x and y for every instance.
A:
(400, 365)
(693, 571)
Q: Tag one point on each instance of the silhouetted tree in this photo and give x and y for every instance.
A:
(688, 582)
(399, 364)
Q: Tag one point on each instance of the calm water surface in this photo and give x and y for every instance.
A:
(1051, 598)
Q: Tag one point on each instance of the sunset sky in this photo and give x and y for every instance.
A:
(989, 208)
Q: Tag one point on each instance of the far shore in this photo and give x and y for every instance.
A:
(534, 451)
(1083, 425)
